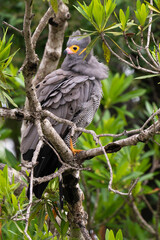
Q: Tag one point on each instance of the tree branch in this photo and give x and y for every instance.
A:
(53, 49)
(42, 24)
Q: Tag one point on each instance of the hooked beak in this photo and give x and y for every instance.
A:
(68, 51)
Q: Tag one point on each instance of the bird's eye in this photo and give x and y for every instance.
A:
(74, 48)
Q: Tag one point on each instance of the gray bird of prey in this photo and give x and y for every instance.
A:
(72, 92)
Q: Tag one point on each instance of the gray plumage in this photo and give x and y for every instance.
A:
(72, 92)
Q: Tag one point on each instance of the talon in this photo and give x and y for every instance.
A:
(74, 151)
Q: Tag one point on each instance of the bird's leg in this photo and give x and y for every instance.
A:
(74, 151)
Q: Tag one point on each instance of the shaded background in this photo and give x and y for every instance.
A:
(105, 210)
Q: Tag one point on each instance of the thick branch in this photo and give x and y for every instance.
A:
(143, 136)
(53, 49)
(17, 114)
(30, 54)
(56, 140)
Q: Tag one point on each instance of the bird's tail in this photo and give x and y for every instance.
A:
(47, 164)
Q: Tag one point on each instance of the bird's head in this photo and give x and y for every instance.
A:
(77, 61)
(76, 46)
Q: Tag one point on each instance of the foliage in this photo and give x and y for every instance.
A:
(110, 235)
(13, 206)
(128, 164)
(141, 13)
(126, 104)
(5, 60)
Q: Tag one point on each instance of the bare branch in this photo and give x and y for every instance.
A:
(149, 27)
(34, 159)
(17, 114)
(129, 63)
(56, 140)
(51, 176)
(42, 24)
(30, 53)
(14, 28)
(143, 136)
(141, 220)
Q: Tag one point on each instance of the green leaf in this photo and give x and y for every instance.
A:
(5, 86)
(147, 76)
(4, 133)
(131, 95)
(151, 7)
(51, 216)
(64, 227)
(119, 235)
(109, 7)
(14, 201)
(138, 4)
(107, 234)
(147, 176)
(96, 184)
(9, 99)
(127, 13)
(141, 13)
(133, 175)
(41, 218)
(3, 99)
(94, 176)
(157, 3)
(54, 4)
(111, 235)
(122, 18)
(9, 59)
(91, 45)
(107, 53)
(98, 12)
(5, 52)
(112, 26)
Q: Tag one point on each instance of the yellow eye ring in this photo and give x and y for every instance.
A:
(74, 48)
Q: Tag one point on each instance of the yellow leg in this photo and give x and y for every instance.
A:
(74, 151)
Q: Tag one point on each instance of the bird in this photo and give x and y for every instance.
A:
(72, 92)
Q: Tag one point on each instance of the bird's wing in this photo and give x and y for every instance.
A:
(65, 95)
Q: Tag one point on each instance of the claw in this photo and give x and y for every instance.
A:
(74, 151)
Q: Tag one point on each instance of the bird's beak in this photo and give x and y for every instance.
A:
(68, 51)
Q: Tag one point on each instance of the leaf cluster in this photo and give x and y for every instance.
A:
(97, 13)
(110, 235)
(5, 59)
(128, 164)
(141, 12)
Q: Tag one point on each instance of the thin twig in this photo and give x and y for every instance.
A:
(95, 205)
(148, 204)
(51, 176)
(141, 220)
(14, 28)
(150, 118)
(125, 61)
(34, 159)
(158, 217)
(150, 26)
(111, 173)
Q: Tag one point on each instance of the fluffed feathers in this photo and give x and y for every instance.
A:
(72, 92)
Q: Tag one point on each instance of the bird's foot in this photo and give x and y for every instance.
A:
(74, 151)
